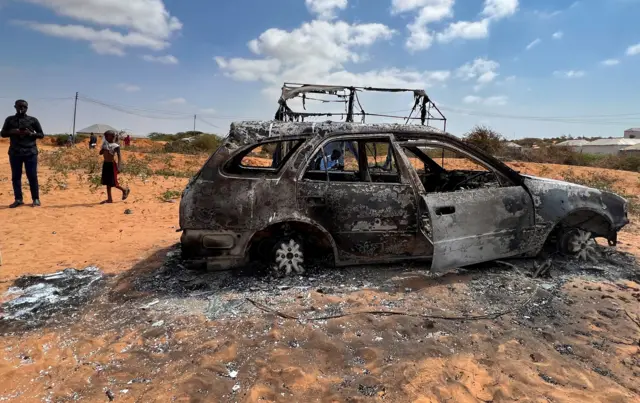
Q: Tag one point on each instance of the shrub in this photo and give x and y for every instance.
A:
(170, 195)
(62, 139)
(485, 139)
(203, 143)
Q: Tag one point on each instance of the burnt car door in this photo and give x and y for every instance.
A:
(471, 211)
(361, 198)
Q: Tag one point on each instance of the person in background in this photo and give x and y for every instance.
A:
(127, 141)
(110, 169)
(93, 140)
(23, 131)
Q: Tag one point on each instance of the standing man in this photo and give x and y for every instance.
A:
(93, 140)
(23, 131)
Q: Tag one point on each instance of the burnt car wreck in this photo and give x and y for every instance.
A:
(285, 191)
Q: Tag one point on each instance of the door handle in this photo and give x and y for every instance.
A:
(445, 210)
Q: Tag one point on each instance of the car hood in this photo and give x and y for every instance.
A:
(558, 183)
(573, 186)
(573, 196)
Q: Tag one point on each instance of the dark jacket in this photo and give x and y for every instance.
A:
(22, 145)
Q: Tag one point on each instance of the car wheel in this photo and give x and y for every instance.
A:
(578, 243)
(287, 256)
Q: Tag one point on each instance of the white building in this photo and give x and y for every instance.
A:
(633, 133)
(631, 150)
(573, 145)
(608, 146)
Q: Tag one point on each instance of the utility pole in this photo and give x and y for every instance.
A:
(75, 109)
(194, 123)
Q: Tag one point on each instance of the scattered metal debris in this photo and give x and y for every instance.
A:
(37, 297)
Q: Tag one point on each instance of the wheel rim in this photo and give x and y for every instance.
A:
(580, 244)
(288, 257)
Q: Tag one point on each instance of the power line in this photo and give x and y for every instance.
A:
(207, 123)
(133, 110)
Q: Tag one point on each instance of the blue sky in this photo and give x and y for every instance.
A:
(525, 67)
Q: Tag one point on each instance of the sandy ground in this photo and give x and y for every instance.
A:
(178, 351)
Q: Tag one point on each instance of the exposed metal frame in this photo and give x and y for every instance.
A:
(348, 95)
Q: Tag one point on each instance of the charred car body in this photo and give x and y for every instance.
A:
(284, 191)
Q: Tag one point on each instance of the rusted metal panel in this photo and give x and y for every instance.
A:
(473, 226)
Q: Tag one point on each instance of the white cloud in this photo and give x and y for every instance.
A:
(569, 74)
(326, 9)
(147, 23)
(428, 11)
(250, 69)
(610, 62)
(533, 44)
(319, 51)
(465, 30)
(482, 70)
(166, 59)
(128, 87)
(493, 11)
(104, 41)
(175, 101)
(557, 35)
(497, 9)
(633, 50)
(421, 36)
(497, 100)
(208, 111)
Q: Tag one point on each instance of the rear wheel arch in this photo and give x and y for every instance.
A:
(317, 239)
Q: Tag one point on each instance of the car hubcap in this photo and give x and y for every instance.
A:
(580, 244)
(289, 257)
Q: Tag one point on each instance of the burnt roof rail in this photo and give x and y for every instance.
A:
(348, 95)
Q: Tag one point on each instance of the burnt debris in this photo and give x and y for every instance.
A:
(33, 299)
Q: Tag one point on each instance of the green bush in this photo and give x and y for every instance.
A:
(203, 143)
(62, 139)
(173, 137)
(485, 139)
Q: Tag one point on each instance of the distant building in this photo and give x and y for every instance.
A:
(609, 146)
(633, 133)
(573, 145)
(97, 129)
(513, 147)
(631, 150)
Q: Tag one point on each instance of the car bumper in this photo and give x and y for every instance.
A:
(220, 250)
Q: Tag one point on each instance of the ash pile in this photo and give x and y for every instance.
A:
(34, 299)
(492, 287)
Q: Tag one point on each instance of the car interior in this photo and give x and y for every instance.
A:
(435, 177)
(342, 161)
(439, 169)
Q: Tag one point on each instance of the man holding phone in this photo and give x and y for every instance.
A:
(23, 131)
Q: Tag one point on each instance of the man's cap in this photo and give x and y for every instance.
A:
(109, 132)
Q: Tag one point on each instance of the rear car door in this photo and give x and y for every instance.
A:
(367, 206)
(470, 223)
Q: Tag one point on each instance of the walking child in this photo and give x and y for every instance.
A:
(110, 169)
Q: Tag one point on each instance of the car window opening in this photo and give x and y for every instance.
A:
(267, 157)
(443, 170)
(340, 161)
